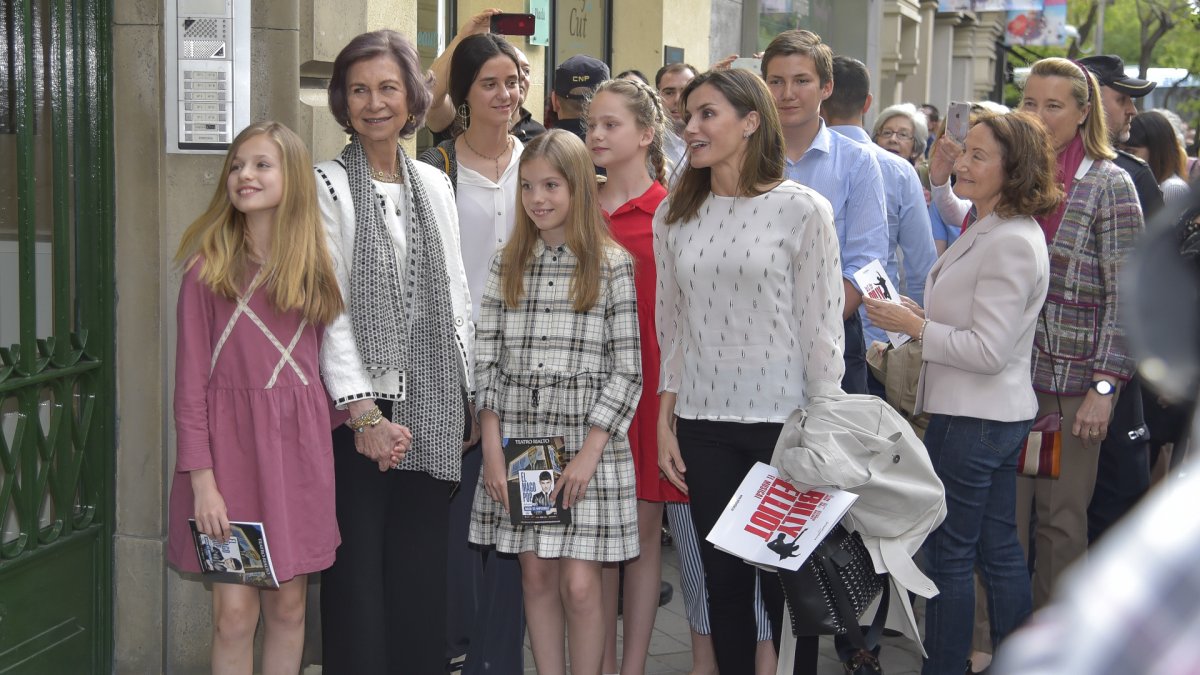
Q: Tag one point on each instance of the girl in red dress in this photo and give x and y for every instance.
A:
(625, 126)
(251, 415)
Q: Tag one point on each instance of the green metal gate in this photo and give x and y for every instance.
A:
(56, 337)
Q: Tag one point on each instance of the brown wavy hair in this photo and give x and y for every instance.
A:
(763, 162)
(1030, 186)
(418, 85)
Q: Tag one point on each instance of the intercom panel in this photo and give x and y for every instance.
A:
(208, 73)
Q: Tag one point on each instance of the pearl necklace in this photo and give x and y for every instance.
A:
(496, 159)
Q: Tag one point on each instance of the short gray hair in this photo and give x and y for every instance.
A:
(920, 127)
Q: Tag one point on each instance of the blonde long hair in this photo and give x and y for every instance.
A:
(648, 112)
(298, 272)
(1086, 92)
(587, 233)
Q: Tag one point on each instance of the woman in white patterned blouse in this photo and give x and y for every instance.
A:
(749, 311)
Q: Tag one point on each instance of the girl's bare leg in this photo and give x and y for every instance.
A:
(283, 623)
(544, 612)
(579, 585)
(235, 618)
(643, 580)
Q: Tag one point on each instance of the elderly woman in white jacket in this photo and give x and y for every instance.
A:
(398, 361)
(983, 298)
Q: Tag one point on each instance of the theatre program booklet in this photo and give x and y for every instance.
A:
(244, 559)
(874, 283)
(774, 522)
(534, 467)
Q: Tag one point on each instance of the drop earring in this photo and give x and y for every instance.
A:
(464, 116)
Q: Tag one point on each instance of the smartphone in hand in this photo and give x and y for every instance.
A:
(958, 121)
(512, 24)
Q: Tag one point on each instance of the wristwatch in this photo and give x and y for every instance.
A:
(1103, 387)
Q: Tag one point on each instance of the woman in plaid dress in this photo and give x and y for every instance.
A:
(558, 354)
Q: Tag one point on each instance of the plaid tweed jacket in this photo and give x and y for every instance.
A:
(1099, 228)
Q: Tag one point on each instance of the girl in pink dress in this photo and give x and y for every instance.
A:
(625, 126)
(251, 416)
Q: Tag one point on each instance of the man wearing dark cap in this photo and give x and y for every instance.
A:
(574, 81)
(1117, 91)
(1123, 473)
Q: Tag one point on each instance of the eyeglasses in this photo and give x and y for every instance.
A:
(901, 135)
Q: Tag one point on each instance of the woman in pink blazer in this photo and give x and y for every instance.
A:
(982, 303)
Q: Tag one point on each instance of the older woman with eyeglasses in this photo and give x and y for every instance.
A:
(901, 129)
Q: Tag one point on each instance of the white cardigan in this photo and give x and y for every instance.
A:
(342, 369)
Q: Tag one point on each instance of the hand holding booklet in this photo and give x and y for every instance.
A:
(243, 559)
(874, 283)
(771, 521)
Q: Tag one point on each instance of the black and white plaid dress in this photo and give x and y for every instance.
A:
(586, 371)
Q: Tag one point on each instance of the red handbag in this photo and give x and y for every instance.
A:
(1041, 454)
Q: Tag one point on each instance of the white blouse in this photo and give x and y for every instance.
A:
(486, 213)
(749, 304)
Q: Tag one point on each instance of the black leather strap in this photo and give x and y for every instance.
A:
(862, 647)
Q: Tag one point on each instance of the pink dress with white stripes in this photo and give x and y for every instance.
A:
(249, 403)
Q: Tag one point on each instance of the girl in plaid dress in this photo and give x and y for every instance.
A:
(558, 354)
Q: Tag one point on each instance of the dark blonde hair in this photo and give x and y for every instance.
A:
(298, 271)
(1030, 186)
(587, 233)
(1086, 92)
(803, 43)
(763, 162)
(647, 108)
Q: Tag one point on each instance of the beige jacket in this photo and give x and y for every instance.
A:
(982, 299)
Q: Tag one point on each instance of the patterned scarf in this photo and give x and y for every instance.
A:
(1068, 163)
(406, 325)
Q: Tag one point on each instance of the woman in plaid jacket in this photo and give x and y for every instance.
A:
(1080, 356)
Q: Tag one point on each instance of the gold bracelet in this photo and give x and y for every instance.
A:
(368, 419)
(921, 335)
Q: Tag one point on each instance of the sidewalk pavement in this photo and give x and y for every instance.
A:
(670, 645)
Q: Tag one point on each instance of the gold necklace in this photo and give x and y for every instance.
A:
(384, 177)
(496, 159)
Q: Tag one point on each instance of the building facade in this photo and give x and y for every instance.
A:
(92, 206)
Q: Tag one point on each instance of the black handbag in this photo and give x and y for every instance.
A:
(830, 592)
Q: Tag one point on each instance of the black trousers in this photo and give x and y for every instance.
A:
(854, 380)
(718, 455)
(383, 602)
(1123, 469)
(485, 607)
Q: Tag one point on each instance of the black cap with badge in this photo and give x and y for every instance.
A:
(1110, 72)
(578, 76)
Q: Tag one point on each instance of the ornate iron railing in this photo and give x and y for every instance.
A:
(56, 330)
